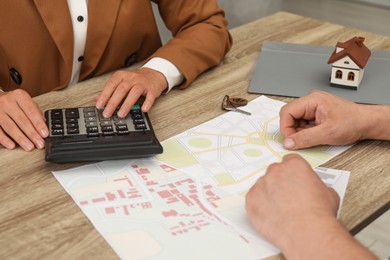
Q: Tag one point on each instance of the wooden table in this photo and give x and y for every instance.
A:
(39, 220)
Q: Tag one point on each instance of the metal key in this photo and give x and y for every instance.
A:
(232, 108)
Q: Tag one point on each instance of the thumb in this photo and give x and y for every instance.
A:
(305, 138)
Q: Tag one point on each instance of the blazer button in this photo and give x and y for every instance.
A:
(15, 75)
(131, 60)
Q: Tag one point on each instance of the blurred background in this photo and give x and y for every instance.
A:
(366, 15)
(370, 15)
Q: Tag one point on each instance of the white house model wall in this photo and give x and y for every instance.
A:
(351, 74)
(348, 62)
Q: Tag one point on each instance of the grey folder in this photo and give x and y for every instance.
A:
(294, 70)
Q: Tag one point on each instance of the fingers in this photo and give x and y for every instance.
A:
(309, 121)
(290, 163)
(305, 138)
(130, 100)
(287, 121)
(148, 103)
(124, 89)
(295, 162)
(21, 121)
(6, 141)
(108, 90)
(112, 94)
(293, 114)
(18, 136)
(30, 120)
(35, 116)
(128, 86)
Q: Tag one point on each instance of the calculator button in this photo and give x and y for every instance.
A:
(88, 109)
(72, 125)
(89, 114)
(72, 131)
(136, 107)
(57, 126)
(120, 122)
(56, 121)
(139, 121)
(90, 124)
(93, 129)
(135, 111)
(140, 126)
(72, 113)
(108, 133)
(137, 116)
(121, 127)
(107, 128)
(105, 122)
(93, 134)
(72, 120)
(56, 113)
(123, 132)
(57, 131)
(90, 118)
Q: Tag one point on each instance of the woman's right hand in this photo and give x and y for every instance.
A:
(21, 121)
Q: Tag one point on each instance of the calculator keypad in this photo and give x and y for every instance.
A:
(89, 121)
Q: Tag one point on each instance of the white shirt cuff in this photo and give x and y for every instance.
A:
(172, 74)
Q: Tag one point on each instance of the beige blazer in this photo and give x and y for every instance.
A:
(36, 39)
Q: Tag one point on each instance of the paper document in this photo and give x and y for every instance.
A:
(150, 209)
(147, 210)
(233, 150)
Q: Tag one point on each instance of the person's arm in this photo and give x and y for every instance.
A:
(200, 36)
(21, 121)
(322, 118)
(127, 87)
(156, 67)
(377, 122)
(172, 74)
(292, 207)
(200, 41)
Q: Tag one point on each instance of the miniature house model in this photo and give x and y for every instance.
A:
(348, 61)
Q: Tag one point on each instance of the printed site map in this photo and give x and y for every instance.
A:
(188, 203)
(233, 150)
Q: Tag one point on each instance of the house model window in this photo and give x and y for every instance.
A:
(348, 62)
(339, 74)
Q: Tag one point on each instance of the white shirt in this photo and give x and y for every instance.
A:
(79, 15)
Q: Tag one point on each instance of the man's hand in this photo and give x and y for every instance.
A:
(289, 196)
(21, 121)
(129, 86)
(292, 207)
(322, 118)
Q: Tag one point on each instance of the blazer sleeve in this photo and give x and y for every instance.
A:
(200, 36)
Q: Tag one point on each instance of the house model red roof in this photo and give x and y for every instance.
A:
(355, 49)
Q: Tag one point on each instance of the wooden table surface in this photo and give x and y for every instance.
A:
(38, 219)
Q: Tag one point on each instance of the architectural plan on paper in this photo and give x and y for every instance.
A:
(189, 203)
(147, 210)
(233, 150)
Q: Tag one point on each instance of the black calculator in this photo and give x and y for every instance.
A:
(83, 134)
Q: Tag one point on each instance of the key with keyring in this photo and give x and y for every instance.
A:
(231, 104)
(231, 108)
